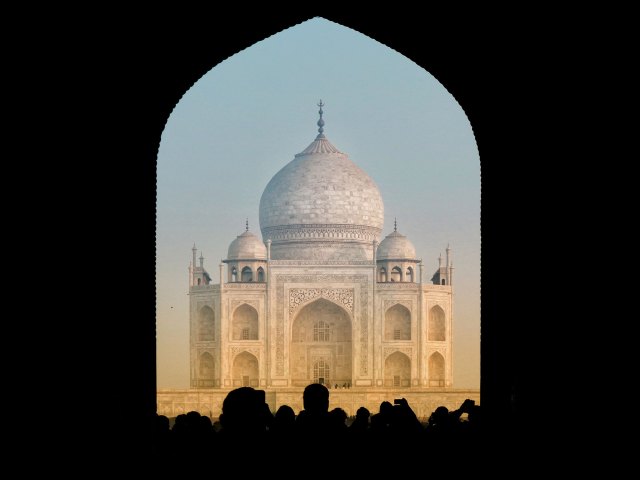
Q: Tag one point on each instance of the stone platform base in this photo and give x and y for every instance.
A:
(423, 401)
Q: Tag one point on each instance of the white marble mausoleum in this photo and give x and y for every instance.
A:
(322, 294)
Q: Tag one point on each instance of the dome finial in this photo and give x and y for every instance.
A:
(247, 225)
(395, 224)
(320, 121)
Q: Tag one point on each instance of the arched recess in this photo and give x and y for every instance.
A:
(245, 323)
(397, 323)
(260, 273)
(245, 370)
(382, 276)
(409, 275)
(206, 327)
(234, 274)
(397, 370)
(437, 328)
(321, 332)
(396, 274)
(436, 370)
(247, 274)
(206, 370)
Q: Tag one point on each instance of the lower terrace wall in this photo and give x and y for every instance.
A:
(208, 402)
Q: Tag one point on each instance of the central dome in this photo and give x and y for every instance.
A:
(321, 206)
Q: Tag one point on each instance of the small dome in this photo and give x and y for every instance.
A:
(247, 247)
(396, 246)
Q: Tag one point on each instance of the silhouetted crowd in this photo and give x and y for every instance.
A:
(248, 429)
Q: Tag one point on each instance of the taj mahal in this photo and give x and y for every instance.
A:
(321, 295)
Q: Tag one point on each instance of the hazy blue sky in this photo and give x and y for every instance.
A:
(247, 118)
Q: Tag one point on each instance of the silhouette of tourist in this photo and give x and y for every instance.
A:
(313, 419)
(337, 419)
(381, 421)
(243, 413)
(361, 423)
(284, 423)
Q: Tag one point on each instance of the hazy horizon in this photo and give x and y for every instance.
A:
(247, 118)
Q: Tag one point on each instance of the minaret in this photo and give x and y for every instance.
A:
(201, 260)
(449, 265)
(192, 267)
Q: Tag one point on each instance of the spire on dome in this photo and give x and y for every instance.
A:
(320, 144)
(320, 121)
(247, 225)
(395, 224)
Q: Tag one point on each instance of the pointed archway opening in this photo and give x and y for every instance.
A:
(245, 370)
(321, 345)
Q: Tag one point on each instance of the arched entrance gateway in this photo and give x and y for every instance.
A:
(321, 339)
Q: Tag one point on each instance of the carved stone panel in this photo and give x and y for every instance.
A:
(389, 350)
(341, 296)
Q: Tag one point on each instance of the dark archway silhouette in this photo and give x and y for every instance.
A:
(168, 73)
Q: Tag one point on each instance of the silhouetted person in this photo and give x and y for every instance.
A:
(404, 421)
(161, 436)
(243, 413)
(284, 423)
(381, 421)
(337, 422)
(313, 419)
(361, 423)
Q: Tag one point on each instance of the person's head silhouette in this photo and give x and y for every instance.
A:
(316, 399)
(242, 411)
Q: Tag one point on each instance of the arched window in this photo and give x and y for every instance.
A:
(321, 332)
(397, 370)
(436, 370)
(206, 370)
(397, 323)
(234, 274)
(260, 274)
(245, 323)
(383, 275)
(247, 274)
(409, 277)
(206, 332)
(321, 372)
(436, 326)
(199, 281)
(396, 274)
